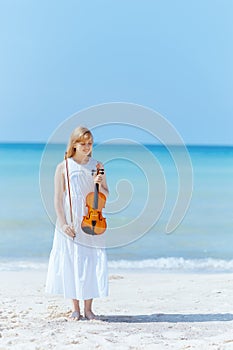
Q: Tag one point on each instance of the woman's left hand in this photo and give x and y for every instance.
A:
(101, 179)
(98, 179)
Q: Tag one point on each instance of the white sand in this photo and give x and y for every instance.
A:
(143, 311)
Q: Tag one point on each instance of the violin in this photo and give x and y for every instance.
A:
(94, 223)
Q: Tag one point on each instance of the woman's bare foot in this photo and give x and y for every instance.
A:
(90, 315)
(75, 316)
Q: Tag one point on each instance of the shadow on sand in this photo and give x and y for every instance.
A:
(172, 318)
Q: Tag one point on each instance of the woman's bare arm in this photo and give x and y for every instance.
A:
(59, 188)
(59, 185)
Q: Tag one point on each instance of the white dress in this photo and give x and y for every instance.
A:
(78, 268)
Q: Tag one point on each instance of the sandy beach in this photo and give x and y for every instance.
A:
(142, 311)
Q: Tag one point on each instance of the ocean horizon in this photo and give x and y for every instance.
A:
(202, 242)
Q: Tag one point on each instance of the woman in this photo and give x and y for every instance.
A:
(77, 267)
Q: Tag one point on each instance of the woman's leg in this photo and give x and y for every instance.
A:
(87, 309)
(76, 309)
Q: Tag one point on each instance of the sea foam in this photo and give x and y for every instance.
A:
(175, 264)
(171, 264)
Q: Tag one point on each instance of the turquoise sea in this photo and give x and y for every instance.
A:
(202, 242)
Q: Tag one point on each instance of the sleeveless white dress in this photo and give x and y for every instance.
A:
(77, 268)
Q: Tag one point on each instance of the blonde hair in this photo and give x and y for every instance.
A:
(79, 134)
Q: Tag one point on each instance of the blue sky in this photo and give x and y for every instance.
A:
(174, 56)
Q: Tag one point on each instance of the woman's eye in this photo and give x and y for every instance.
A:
(83, 143)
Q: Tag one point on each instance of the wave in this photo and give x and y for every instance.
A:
(174, 264)
(19, 265)
(170, 264)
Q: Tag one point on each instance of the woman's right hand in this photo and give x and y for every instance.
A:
(69, 230)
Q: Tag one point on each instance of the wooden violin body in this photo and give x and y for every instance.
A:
(94, 223)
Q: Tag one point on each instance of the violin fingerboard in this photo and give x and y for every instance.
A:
(96, 202)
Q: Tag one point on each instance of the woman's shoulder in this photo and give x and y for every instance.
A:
(60, 167)
(94, 162)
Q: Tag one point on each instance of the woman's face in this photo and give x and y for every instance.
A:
(84, 147)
